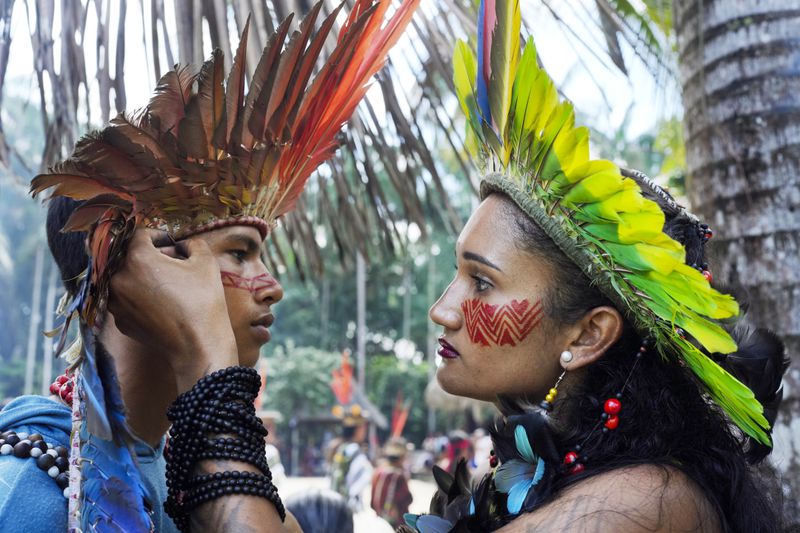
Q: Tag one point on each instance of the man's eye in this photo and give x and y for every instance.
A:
(240, 255)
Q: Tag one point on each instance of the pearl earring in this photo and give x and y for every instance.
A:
(566, 357)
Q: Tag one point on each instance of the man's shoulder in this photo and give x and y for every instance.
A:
(30, 500)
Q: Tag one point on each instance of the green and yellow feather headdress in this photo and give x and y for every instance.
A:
(529, 148)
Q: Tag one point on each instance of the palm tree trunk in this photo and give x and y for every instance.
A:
(741, 95)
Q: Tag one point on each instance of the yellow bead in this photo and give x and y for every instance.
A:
(549, 398)
(553, 392)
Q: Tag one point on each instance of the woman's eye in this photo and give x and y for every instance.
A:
(481, 284)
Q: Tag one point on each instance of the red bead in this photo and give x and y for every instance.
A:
(54, 388)
(708, 276)
(68, 398)
(612, 422)
(62, 379)
(493, 461)
(577, 469)
(709, 234)
(612, 406)
(570, 458)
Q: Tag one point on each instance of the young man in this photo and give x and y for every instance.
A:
(184, 314)
(180, 322)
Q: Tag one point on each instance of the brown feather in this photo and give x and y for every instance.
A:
(254, 115)
(166, 107)
(309, 62)
(291, 64)
(234, 95)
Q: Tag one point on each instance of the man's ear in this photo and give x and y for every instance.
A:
(593, 335)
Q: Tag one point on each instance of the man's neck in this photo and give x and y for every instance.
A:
(146, 380)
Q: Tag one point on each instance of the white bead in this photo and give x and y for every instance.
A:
(52, 453)
(566, 356)
(49, 446)
(36, 452)
(22, 435)
(53, 471)
(6, 449)
(66, 492)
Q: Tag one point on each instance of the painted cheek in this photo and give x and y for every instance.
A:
(251, 285)
(500, 325)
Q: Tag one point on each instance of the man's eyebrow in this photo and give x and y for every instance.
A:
(471, 256)
(237, 238)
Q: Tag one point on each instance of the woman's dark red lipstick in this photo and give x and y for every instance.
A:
(447, 351)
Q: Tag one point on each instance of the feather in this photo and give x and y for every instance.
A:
(504, 56)
(484, 59)
(196, 130)
(255, 113)
(114, 498)
(168, 104)
(234, 94)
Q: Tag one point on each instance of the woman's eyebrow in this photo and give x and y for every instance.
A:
(471, 256)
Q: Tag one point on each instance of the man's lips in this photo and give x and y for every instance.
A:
(264, 320)
(446, 351)
(261, 326)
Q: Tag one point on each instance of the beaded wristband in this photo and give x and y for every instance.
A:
(216, 419)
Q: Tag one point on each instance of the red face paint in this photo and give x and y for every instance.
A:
(501, 325)
(252, 285)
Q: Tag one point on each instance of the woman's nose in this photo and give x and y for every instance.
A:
(445, 311)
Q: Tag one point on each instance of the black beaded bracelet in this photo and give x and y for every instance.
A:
(216, 419)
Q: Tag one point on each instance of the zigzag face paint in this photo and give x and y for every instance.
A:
(251, 285)
(500, 325)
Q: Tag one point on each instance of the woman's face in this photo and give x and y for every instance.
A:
(496, 338)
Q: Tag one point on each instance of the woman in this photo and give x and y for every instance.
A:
(582, 306)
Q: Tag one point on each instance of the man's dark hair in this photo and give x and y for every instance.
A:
(321, 511)
(67, 248)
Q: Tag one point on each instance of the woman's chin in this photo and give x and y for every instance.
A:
(457, 387)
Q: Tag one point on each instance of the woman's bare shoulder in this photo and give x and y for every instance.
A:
(627, 500)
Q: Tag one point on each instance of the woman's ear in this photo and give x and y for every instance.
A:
(594, 334)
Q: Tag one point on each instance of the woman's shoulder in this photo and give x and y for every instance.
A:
(631, 499)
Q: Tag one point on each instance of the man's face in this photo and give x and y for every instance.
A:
(250, 290)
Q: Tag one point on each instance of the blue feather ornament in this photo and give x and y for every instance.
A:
(484, 42)
(112, 496)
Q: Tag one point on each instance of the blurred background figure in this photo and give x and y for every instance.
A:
(482, 444)
(390, 493)
(270, 418)
(457, 447)
(321, 511)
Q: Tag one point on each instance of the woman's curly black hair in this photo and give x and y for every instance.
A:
(667, 418)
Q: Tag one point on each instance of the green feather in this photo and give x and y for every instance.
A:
(505, 54)
(596, 215)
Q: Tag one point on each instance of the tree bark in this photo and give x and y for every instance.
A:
(741, 93)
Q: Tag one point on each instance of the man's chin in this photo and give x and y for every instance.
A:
(249, 358)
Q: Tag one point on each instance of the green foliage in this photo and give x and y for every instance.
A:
(298, 381)
(386, 375)
(669, 141)
(12, 378)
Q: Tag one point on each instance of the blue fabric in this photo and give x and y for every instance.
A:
(30, 500)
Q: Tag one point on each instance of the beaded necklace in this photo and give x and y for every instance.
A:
(52, 459)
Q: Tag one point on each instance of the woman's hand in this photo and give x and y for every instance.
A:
(171, 300)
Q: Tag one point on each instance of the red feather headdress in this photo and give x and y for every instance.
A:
(204, 154)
